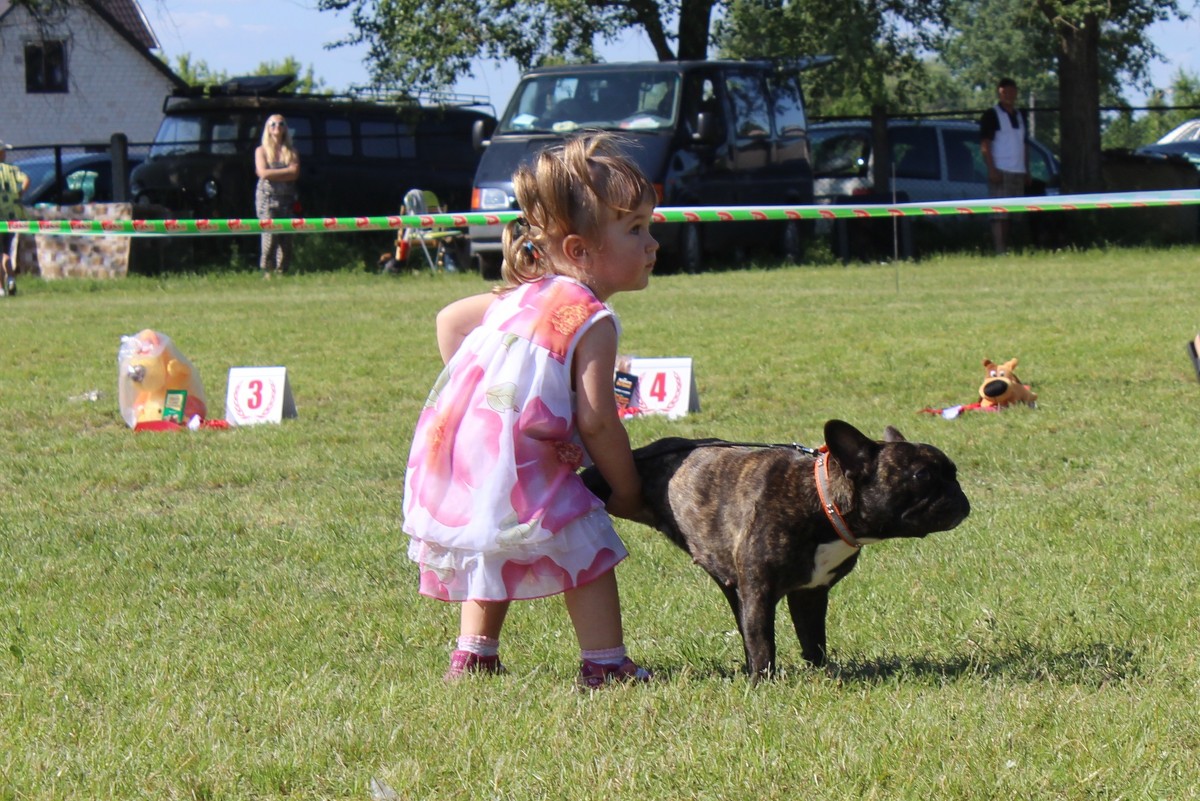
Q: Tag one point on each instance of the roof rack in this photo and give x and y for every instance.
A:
(258, 85)
(395, 94)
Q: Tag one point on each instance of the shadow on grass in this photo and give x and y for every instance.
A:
(1093, 665)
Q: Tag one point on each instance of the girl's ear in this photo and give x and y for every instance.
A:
(575, 248)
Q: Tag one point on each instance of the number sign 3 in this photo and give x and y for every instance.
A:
(258, 395)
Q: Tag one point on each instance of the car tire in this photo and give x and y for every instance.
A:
(488, 266)
(691, 249)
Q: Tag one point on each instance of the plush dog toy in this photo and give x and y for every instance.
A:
(1001, 387)
(149, 365)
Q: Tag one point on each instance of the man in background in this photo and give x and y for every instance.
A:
(1003, 139)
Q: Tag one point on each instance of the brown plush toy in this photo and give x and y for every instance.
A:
(1001, 387)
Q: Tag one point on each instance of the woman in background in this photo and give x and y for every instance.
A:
(277, 166)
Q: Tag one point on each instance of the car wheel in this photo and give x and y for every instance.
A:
(488, 266)
(791, 243)
(691, 249)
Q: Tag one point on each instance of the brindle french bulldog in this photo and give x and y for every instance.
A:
(769, 522)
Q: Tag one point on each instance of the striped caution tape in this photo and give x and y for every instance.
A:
(680, 214)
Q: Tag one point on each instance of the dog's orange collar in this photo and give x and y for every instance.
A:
(821, 473)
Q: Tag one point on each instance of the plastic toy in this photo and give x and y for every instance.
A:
(148, 367)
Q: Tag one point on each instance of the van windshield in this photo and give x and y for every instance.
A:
(196, 133)
(629, 101)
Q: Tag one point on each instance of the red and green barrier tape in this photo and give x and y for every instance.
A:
(681, 214)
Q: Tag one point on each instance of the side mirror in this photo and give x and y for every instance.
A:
(481, 133)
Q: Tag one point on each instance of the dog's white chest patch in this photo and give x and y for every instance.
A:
(826, 560)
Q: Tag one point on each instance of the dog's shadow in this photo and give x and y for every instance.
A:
(1091, 665)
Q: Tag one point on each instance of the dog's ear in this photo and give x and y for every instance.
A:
(892, 434)
(852, 449)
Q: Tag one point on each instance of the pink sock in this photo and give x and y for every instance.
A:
(605, 656)
(479, 645)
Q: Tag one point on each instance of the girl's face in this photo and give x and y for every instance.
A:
(624, 258)
(276, 126)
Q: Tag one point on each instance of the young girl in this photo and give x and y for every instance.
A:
(492, 502)
(277, 167)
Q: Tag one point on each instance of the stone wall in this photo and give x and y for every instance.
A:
(76, 256)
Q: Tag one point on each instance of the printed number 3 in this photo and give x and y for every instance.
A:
(256, 394)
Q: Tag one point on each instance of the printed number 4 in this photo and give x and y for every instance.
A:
(658, 387)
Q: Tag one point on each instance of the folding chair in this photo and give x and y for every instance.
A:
(418, 201)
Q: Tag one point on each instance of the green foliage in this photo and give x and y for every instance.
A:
(231, 614)
(876, 48)
(199, 73)
(410, 44)
(1125, 130)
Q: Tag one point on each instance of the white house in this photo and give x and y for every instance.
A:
(78, 71)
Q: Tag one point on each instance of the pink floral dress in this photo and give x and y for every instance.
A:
(492, 503)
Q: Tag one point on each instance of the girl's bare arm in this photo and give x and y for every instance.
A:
(600, 428)
(458, 319)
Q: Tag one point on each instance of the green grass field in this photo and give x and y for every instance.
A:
(230, 614)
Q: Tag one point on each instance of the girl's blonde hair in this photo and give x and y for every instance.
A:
(286, 152)
(568, 189)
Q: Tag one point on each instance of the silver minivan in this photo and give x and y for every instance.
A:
(931, 160)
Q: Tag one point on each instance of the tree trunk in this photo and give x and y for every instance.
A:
(1079, 101)
(694, 19)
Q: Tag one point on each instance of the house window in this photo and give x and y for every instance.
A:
(46, 67)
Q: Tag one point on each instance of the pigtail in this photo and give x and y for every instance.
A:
(520, 254)
(524, 243)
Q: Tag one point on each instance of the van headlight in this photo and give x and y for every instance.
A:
(490, 199)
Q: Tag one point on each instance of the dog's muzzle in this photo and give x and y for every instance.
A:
(994, 389)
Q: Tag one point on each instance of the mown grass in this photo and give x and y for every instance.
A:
(230, 614)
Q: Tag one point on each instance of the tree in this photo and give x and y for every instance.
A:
(986, 39)
(192, 72)
(1127, 132)
(1071, 53)
(411, 46)
(198, 73)
(876, 45)
(1079, 26)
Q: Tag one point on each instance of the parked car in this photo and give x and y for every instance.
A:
(357, 156)
(86, 178)
(931, 159)
(1187, 132)
(1181, 148)
(706, 133)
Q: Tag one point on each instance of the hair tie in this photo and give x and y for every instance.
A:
(530, 249)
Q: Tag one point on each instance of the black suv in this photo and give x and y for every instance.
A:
(357, 157)
(706, 133)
